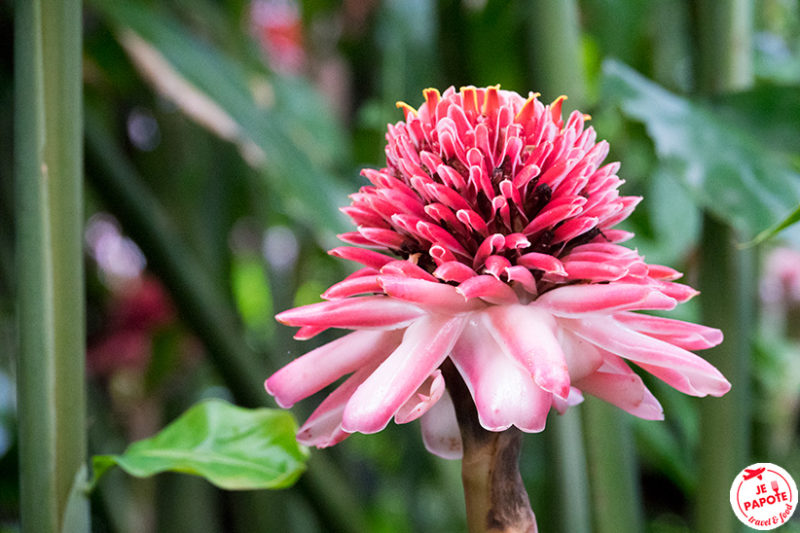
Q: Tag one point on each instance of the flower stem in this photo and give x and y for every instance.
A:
(493, 490)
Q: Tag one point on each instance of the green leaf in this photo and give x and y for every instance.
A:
(769, 233)
(727, 170)
(232, 447)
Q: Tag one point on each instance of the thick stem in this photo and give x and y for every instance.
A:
(612, 461)
(723, 63)
(50, 297)
(493, 490)
(554, 44)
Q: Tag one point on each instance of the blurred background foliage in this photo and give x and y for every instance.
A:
(223, 135)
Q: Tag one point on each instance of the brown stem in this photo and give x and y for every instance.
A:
(495, 495)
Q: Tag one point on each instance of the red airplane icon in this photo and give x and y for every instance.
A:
(756, 472)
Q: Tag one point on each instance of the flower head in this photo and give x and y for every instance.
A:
(492, 244)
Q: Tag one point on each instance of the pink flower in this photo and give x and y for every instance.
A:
(279, 29)
(781, 279)
(503, 219)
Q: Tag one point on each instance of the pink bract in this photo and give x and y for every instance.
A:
(492, 244)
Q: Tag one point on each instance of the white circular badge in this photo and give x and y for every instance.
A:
(763, 496)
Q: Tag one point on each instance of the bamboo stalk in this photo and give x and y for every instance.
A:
(554, 47)
(613, 471)
(723, 62)
(50, 287)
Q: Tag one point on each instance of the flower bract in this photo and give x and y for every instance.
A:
(489, 239)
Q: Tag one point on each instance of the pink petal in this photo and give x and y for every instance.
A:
(354, 237)
(425, 346)
(678, 291)
(545, 262)
(406, 269)
(575, 397)
(491, 244)
(594, 271)
(353, 313)
(528, 334)
(516, 241)
(576, 300)
(663, 272)
(496, 265)
(625, 390)
(421, 401)
(454, 271)
(679, 368)
(438, 235)
(526, 174)
(503, 390)
(523, 276)
(381, 237)
(353, 286)
(582, 357)
(441, 255)
(308, 332)
(320, 367)
(433, 295)
(548, 218)
(573, 228)
(488, 288)
(614, 235)
(472, 220)
(440, 432)
(324, 427)
(685, 335)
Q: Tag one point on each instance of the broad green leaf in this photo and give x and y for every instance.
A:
(728, 171)
(232, 447)
(770, 112)
(259, 113)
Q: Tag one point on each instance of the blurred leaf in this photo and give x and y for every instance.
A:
(252, 292)
(232, 447)
(728, 171)
(770, 112)
(776, 58)
(295, 148)
(769, 233)
(674, 220)
(661, 448)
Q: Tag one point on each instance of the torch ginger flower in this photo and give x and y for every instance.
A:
(494, 224)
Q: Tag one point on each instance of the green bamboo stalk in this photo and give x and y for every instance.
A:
(554, 47)
(565, 435)
(613, 469)
(50, 287)
(723, 62)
